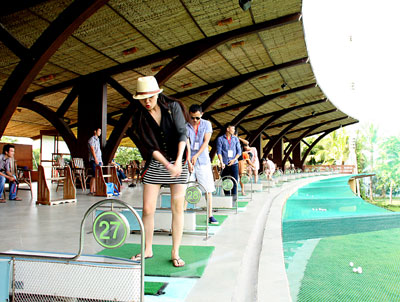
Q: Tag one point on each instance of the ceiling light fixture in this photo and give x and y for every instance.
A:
(47, 78)
(157, 68)
(225, 22)
(283, 86)
(263, 77)
(187, 85)
(130, 51)
(245, 4)
(236, 44)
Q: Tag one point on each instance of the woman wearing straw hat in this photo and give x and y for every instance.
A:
(159, 128)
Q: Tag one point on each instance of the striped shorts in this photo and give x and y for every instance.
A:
(157, 173)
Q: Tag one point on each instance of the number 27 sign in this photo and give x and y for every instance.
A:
(110, 229)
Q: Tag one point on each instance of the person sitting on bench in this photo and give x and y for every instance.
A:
(120, 172)
(5, 173)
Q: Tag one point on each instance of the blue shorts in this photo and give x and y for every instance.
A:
(93, 166)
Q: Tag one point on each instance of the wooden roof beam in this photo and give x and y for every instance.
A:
(298, 140)
(315, 142)
(15, 6)
(283, 111)
(238, 79)
(253, 105)
(292, 124)
(55, 120)
(260, 101)
(321, 124)
(70, 98)
(43, 48)
(170, 53)
(278, 114)
(201, 47)
(301, 118)
(13, 44)
(341, 125)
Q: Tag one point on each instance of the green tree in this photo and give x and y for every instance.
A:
(333, 148)
(388, 165)
(125, 155)
(7, 139)
(367, 147)
(370, 144)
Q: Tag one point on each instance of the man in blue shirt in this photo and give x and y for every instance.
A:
(228, 150)
(199, 132)
(5, 173)
(94, 157)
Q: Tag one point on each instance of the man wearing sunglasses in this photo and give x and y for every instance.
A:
(199, 132)
(228, 150)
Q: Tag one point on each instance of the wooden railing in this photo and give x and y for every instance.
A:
(343, 169)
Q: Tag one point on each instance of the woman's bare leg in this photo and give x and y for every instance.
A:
(150, 195)
(177, 201)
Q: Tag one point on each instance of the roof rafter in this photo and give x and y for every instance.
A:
(297, 141)
(327, 122)
(198, 49)
(292, 123)
(315, 142)
(44, 47)
(283, 111)
(55, 120)
(13, 44)
(231, 83)
(69, 99)
(260, 101)
(166, 54)
(276, 115)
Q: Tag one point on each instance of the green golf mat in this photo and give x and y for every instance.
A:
(195, 257)
(154, 288)
(329, 277)
(242, 204)
(201, 220)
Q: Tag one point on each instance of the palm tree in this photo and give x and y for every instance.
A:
(388, 165)
(334, 148)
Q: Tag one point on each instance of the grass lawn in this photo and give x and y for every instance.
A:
(384, 203)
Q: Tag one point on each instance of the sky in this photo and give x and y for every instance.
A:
(354, 48)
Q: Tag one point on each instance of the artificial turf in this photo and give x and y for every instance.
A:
(196, 258)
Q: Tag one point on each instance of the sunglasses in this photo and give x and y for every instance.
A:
(195, 118)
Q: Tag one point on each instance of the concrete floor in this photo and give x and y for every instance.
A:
(247, 264)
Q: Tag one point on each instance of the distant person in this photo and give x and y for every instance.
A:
(228, 150)
(255, 166)
(270, 167)
(5, 173)
(244, 162)
(199, 132)
(94, 157)
(159, 126)
(120, 172)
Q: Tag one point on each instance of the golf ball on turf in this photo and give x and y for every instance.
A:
(351, 264)
(359, 270)
(354, 269)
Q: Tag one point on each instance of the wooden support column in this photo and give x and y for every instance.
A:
(92, 114)
(277, 153)
(257, 145)
(296, 156)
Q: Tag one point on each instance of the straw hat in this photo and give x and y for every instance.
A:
(146, 87)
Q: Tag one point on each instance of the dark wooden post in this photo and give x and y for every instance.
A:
(296, 156)
(277, 153)
(92, 114)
